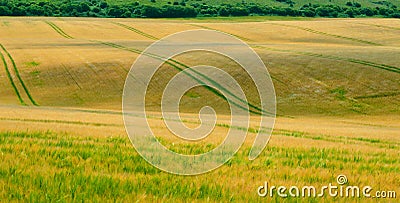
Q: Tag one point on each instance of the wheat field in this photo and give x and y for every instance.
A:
(62, 134)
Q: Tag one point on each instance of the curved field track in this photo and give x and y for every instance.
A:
(59, 30)
(136, 30)
(10, 78)
(16, 72)
(175, 64)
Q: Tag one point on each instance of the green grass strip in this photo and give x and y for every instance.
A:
(61, 122)
(11, 80)
(19, 76)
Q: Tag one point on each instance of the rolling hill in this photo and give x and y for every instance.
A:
(318, 67)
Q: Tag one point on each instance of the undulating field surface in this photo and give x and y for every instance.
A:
(62, 136)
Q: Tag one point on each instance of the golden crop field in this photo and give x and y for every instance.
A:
(62, 134)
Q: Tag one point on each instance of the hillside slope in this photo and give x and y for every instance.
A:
(324, 67)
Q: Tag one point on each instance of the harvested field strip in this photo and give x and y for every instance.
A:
(328, 34)
(175, 64)
(21, 101)
(136, 31)
(61, 122)
(209, 28)
(58, 30)
(19, 76)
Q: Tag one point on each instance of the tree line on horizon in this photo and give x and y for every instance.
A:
(100, 8)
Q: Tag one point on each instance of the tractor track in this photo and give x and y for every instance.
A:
(352, 60)
(19, 76)
(328, 34)
(136, 31)
(256, 110)
(209, 28)
(176, 64)
(71, 76)
(21, 101)
(58, 30)
(379, 95)
(381, 26)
